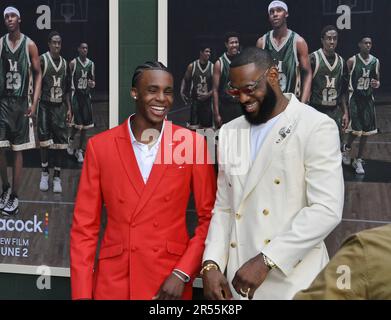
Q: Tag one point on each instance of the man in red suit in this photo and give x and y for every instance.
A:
(143, 172)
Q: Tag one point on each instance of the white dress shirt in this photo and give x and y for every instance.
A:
(145, 153)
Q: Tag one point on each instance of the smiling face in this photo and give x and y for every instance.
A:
(12, 22)
(154, 93)
(330, 41)
(258, 105)
(277, 17)
(232, 46)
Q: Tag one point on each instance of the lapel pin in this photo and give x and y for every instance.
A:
(284, 133)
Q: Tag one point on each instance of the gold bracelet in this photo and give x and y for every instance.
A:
(209, 266)
(268, 262)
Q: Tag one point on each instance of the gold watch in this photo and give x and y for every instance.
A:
(268, 262)
(209, 266)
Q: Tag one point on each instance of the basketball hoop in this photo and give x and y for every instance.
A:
(67, 11)
(357, 6)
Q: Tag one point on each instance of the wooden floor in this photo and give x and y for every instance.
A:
(368, 204)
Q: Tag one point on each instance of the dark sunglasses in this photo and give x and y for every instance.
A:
(247, 90)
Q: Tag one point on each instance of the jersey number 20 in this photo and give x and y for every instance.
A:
(363, 83)
(82, 83)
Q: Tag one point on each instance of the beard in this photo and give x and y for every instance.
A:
(266, 108)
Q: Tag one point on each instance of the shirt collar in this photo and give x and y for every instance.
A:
(133, 138)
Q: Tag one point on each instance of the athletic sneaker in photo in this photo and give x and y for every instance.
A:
(57, 188)
(4, 197)
(44, 183)
(12, 206)
(358, 166)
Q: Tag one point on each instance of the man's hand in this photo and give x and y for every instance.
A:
(91, 83)
(171, 289)
(345, 121)
(185, 98)
(69, 116)
(218, 121)
(216, 286)
(30, 112)
(375, 84)
(250, 276)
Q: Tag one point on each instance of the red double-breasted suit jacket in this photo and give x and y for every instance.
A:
(145, 237)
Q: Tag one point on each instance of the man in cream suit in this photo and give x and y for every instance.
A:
(280, 190)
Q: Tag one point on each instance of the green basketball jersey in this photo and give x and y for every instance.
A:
(81, 73)
(287, 61)
(201, 79)
(16, 66)
(362, 73)
(225, 63)
(54, 79)
(327, 80)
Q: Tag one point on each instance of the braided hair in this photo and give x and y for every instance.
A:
(149, 65)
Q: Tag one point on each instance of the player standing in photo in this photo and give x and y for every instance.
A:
(330, 80)
(225, 107)
(196, 90)
(20, 62)
(54, 111)
(364, 77)
(83, 80)
(289, 51)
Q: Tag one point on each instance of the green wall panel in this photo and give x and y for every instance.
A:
(138, 43)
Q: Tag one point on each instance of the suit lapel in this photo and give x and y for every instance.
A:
(128, 159)
(272, 146)
(242, 137)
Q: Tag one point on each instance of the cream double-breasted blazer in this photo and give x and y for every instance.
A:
(283, 205)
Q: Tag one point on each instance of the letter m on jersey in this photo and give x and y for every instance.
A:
(330, 83)
(83, 74)
(56, 81)
(13, 65)
(365, 73)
